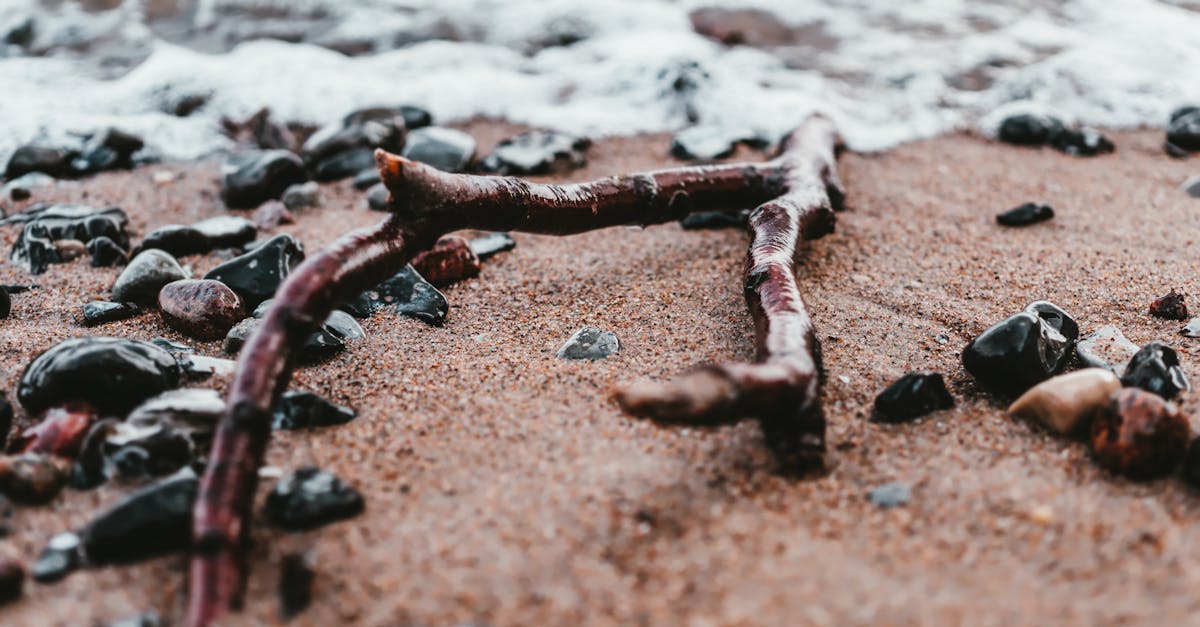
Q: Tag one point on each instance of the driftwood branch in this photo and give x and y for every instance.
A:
(797, 188)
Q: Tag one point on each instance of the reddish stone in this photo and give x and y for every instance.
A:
(1170, 307)
(1140, 435)
(60, 431)
(449, 261)
(272, 214)
(201, 308)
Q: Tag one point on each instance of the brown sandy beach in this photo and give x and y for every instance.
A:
(504, 487)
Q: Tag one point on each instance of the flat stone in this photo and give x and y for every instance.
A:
(49, 160)
(443, 148)
(112, 374)
(45, 224)
(485, 246)
(305, 410)
(1029, 129)
(154, 520)
(257, 274)
(912, 396)
(1171, 306)
(32, 478)
(1191, 187)
(1191, 329)
(589, 343)
(102, 311)
(1065, 403)
(1017, 353)
(1026, 214)
(302, 196)
(1107, 348)
(890, 495)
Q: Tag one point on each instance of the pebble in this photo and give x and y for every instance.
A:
(272, 214)
(485, 246)
(45, 224)
(295, 584)
(48, 160)
(302, 196)
(377, 198)
(715, 220)
(260, 130)
(1155, 368)
(322, 344)
(1054, 316)
(1140, 435)
(443, 148)
(154, 520)
(449, 261)
(152, 447)
(1026, 214)
(88, 471)
(366, 179)
(1029, 129)
(112, 374)
(1191, 187)
(589, 343)
(69, 249)
(408, 294)
(1191, 329)
(344, 164)
(1065, 403)
(1172, 306)
(537, 153)
(110, 149)
(203, 236)
(311, 498)
(1083, 142)
(21, 188)
(305, 410)
(911, 396)
(106, 253)
(251, 178)
(1013, 355)
(345, 148)
(890, 495)
(57, 431)
(5, 303)
(145, 275)
(257, 274)
(200, 308)
(12, 578)
(193, 411)
(1184, 128)
(1107, 348)
(32, 478)
(61, 557)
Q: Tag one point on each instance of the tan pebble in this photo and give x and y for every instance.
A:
(70, 249)
(1063, 403)
(1042, 514)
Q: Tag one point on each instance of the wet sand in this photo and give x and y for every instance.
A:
(504, 487)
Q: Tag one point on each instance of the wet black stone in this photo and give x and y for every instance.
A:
(366, 178)
(1013, 355)
(89, 471)
(377, 198)
(105, 252)
(1084, 142)
(311, 498)
(145, 276)
(1026, 214)
(346, 148)
(12, 579)
(1054, 316)
(154, 520)
(1185, 110)
(589, 343)
(414, 117)
(1029, 129)
(249, 179)
(257, 274)
(295, 584)
(443, 148)
(202, 237)
(112, 374)
(322, 344)
(485, 246)
(108, 150)
(1184, 129)
(1155, 368)
(61, 557)
(911, 396)
(5, 303)
(715, 220)
(151, 449)
(302, 196)
(49, 160)
(344, 164)
(1174, 151)
(408, 294)
(305, 410)
(537, 152)
(45, 224)
(101, 311)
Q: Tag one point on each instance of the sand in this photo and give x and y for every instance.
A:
(504, 487)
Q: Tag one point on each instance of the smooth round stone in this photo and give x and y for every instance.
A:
(105, 252)
(443, 148)
(1140, 435)
(45, 224)
(1017, 353)
(1083, 142)
(913, 395)
(32, 478)
(377, 197)
(1029, 129)
(145, 275)
(311, 498)
(485, 246)
(48, 160)
(1065, 403)
(1026, 214)
(252, 178)
(1155, 368)
(200, 308)
(305, 410)
(344, 164)
(589, 343)
(1184, 129)
(112, 374)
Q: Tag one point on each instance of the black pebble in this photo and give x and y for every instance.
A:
(1028, 129)
(408, 294)
(112, 374)
(6, 419)
(1028, 213)
(60, 558)
(101, 311)
(253, 178)
(1084, 142)
(303, 410)
(105, 252)
(1155, 368)
(537, 152)
(295, 584)
(257, 274)
(154, 520)
(1184, 130)
(1017, 353)
(911, 396)
(310, 498)
(485, 246)
(377, 197)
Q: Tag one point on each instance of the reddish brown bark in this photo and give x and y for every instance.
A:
(427, 203)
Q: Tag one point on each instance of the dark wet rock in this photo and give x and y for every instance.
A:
(5, 303)
(343, 326)
(890, 495)
(1029, 129)
(1185, 110)
(408, 294)
(271, 214)
(1171, 306)
(1054, 316)
(175, 348)
(257, 274)
(311, 498)
(1184, 129)
(200, 308)
(62, 556)
(1106, 348)
(21, 188)
(414, 116)
(112, 374)
(537, 152)
(1084, 142)
(1174, 151)
(344, 164)
(111, 149)
(89, 470)
(302, 196)
(1026, 214)
(305, 410)
(346, 148)
(1191, 464)
(911, 396)
(1155, 368)
(194, 411)
(1013, 355)
(201, 237)
(32, 478)
(149, 618)
(260, 130)
(45, 224)
(252, 178)
(145, 275)
(715, 220)
(1191, 187)
(449, 261)
(48, 160)
(707, 143)
(322, 344)
(102, 311)
(443, 148)
(162, 435)
(1140, 435)
(13, 288)
(237, 336)
(485, 246)
(377, 198)
(152, 521)
(589, 343)
(295, 584)
(12, 579)
(105, 252)
(367, 178)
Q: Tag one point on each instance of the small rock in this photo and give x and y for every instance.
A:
(111, 149)
(1029, 129)
(61, 557)
(302, 196)
(1065, 403)
(1107, 348)
(485, 246)
(203, 236)
(344, 164)
(449, 261)
(378, 197)
(715, 220)
(48, 160)
(1140, 435)
(305, 410)
(57, 431)
(69, 249)
(1054, 316)
(1184, 129)
(1191, 187)
(257, 274)
(154, 520)
(295, 584)
(311, 498)
(589, 343)
(890, 495)
(252, 178)
(408, 294)
(200, 308)
(145, 275)
(1170, 307)
(366, 179)
(537, 152)
(12, 578)
(334, 148)
(911, 396)
(193, 411)
(32, 478)
(21, 188)
(45, 224)
(260, 130)
(1173, 151)
(322, 344)
(1191, 329)
(106, 253)
(201, 366)
(443, 148)
(112, 374)
(271, 214)
(1013, 355)
(1026, 214)
(1155, 368)
(1084, 142)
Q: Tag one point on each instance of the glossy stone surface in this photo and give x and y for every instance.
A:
(408, 294)
(202, 237)
(302, 196)
(589, 343)
(1155, 368)
(1013, 355)
(45, 224)
(32, 478)
(1026, 214)
(443, 148)
(1184, 129)
(537, 153)
(449, 261)
(145, 275)
(305, 410)
(311, 498)
(1140, 435)
(154, 520)
(251, 178)
(1029, 129)
(104, 252)
(485, 246)
(1064, 404)
(49, 160)
(1083, 142)
(911, 396)
(61, 557)
(1170, 306)
(112, 374)
(200, 308)
(257, 274)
